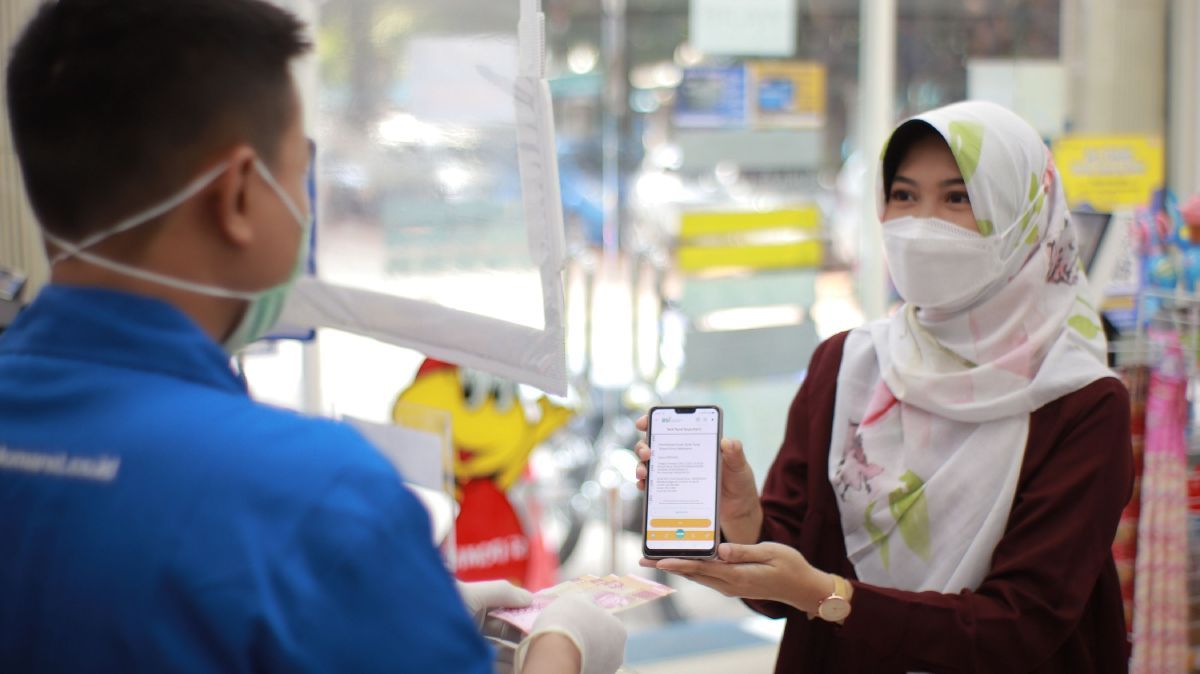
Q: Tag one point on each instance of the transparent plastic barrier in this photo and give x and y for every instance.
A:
(439, 219)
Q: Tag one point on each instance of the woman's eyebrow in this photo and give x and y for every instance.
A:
(945, 183)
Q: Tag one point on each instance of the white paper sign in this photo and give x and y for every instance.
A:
(462, 79)
(418, 455)
(1034, 89)
(743, 27)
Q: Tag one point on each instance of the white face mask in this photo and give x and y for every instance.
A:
(938, 265)
(264, 306)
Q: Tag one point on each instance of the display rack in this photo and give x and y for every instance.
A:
(1159, 358)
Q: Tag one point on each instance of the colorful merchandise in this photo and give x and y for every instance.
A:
(1137, 380)
(1194, 564)
(1160, 640)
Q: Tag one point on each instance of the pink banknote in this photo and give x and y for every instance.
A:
(612, 593)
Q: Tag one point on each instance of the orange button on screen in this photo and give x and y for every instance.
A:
(681, 524)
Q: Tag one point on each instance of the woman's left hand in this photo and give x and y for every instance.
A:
(769, 571)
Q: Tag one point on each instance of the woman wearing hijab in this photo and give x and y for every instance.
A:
(951, 478)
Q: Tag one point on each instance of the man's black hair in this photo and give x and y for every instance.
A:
(116, 103)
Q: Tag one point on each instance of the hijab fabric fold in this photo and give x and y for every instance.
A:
(932, 412)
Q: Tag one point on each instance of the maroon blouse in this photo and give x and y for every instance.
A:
(1051, 601)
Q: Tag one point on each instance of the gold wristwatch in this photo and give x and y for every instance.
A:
(836, 607)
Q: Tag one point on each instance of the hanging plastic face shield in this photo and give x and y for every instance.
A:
(264, 306)
(420, 200)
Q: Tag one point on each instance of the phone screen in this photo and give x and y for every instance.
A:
(681, 486)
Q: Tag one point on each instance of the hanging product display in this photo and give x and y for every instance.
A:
(1136, 379)
(1160, 594)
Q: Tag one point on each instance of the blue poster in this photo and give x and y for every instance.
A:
(712, 97)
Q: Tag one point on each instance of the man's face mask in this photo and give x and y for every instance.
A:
(264, 305)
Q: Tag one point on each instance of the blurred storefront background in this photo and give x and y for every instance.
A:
(716, 164)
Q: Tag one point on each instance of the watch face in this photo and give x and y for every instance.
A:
(834, 609)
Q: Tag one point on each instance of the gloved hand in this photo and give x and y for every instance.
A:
(599, 636)
(484, 596)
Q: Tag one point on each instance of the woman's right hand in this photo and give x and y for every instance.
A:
(740, 511)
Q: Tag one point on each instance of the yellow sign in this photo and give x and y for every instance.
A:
(720, 223)
(779, 239)
(804, 254)
(1110, 172)
(789, 93)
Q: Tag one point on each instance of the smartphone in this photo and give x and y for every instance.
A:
(683, 481)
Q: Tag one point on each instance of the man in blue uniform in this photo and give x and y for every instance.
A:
(152, 517)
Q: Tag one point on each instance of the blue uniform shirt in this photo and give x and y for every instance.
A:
(153, 518)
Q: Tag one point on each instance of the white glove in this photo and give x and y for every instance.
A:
(489, 594)
(599, 636)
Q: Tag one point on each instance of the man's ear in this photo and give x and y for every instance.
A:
(231, 197)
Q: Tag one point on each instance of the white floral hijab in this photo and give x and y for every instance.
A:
(932, 412)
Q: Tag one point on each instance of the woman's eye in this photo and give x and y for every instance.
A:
(958, 198)
(901, 195)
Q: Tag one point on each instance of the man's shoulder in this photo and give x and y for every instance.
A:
(296, 479)
(251, 452)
